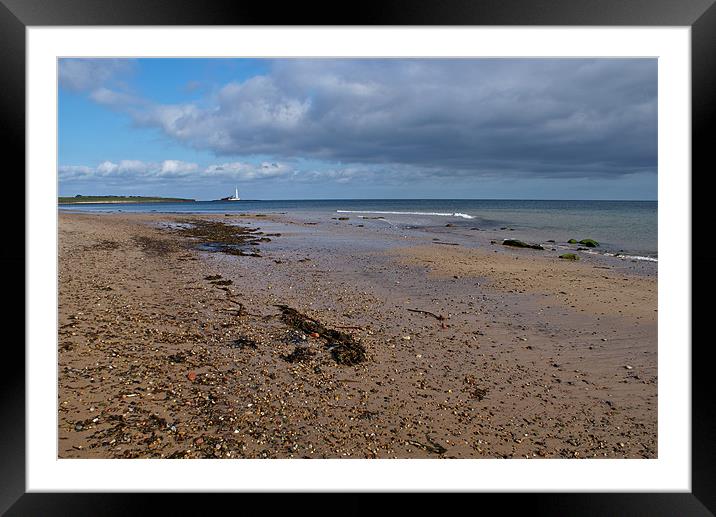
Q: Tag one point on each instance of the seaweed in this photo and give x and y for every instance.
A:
(299, 354)
(225, 238)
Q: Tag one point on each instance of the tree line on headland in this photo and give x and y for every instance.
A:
(118, 199)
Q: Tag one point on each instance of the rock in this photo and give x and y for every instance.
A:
(191, 376)
(628, 367)
(315, 334)
(589, 243)
(519, 244)
(572, 241)
(569, 256)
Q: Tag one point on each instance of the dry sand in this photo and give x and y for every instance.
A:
(517, 353)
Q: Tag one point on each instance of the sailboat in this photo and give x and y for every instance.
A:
(234, 198)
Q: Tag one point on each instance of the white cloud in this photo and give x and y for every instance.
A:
(175, 169)
(129, 169)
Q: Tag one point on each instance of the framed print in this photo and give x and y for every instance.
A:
(440, 249)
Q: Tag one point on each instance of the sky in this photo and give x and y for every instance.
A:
(359, 128)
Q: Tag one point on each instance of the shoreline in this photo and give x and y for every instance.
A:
(622, 228)
(471, 351)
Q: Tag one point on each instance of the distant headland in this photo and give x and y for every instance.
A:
(80, 199)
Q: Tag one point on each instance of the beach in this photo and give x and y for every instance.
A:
(345, 335)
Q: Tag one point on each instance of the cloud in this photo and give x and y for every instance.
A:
(554, 118)
(114, 98)
(249, 172)
(89, 74)
(138, 172)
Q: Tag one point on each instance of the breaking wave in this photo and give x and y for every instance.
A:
(632, 257)
(444, 214)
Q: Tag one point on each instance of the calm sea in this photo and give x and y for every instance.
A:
(620, 226)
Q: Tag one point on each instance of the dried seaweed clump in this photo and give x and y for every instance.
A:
(343, 347)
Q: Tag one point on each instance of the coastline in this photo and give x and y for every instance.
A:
(477, 351)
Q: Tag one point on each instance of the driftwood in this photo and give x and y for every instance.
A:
(434, 447)
(438, 317)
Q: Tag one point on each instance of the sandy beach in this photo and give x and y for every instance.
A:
(346, 337)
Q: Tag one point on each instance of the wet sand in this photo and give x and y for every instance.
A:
(170, 349)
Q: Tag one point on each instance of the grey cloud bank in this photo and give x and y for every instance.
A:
(546, 117)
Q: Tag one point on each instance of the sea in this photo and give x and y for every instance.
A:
(626, 228)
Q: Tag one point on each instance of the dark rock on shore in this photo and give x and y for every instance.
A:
(569, 256)
(519, 244)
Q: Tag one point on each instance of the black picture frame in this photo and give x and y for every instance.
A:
(700, 15)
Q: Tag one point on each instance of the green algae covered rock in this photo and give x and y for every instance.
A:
(569, 256)
(589, 243)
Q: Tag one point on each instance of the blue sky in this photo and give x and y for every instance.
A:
(359, 128)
